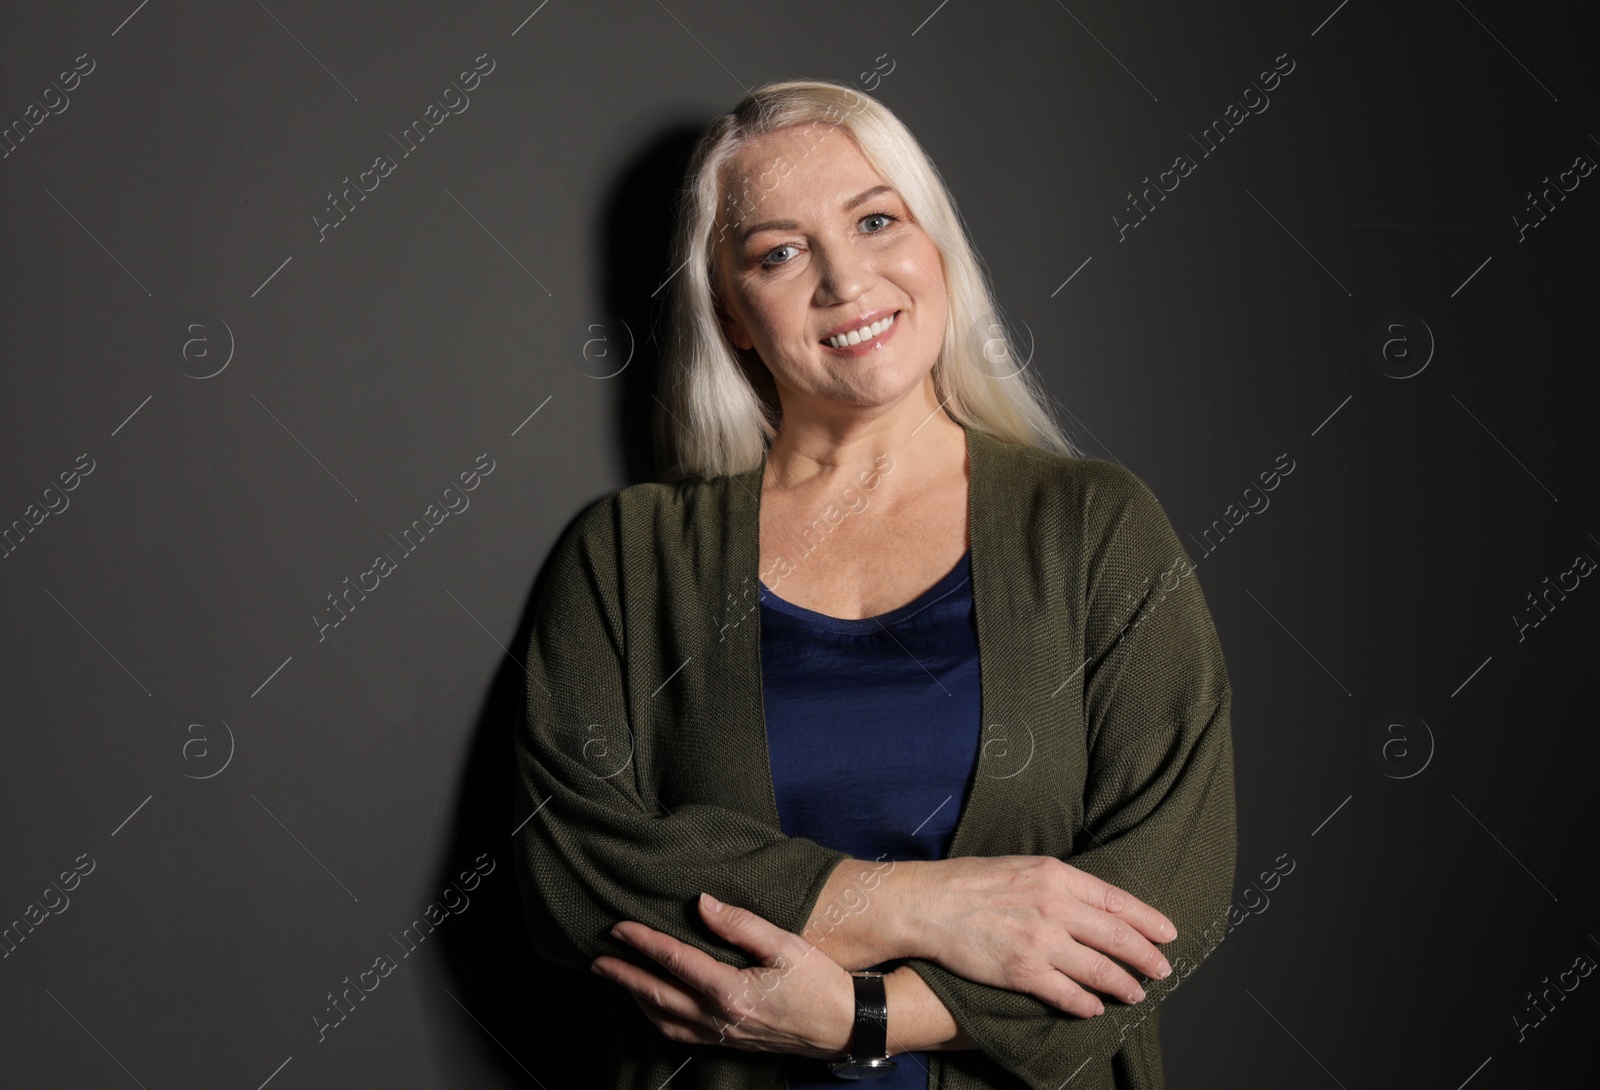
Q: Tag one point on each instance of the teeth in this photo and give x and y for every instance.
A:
(865, 333)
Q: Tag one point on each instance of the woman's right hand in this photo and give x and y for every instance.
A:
(1030, 924)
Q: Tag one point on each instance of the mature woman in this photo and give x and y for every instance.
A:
(891, 741)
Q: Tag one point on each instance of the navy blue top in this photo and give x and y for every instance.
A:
(873, 728)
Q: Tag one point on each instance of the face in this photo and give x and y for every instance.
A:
(816, 244)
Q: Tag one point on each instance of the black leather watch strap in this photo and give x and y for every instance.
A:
(868, 1056)
(872, 1018)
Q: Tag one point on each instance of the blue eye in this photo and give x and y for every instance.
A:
(879, 216)
(767, 259)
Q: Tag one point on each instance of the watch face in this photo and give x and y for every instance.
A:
(863, 1069)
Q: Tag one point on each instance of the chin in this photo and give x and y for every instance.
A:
(875, 395)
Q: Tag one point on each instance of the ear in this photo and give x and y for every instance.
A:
(732, 326)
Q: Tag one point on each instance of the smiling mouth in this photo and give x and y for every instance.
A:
(856, 337)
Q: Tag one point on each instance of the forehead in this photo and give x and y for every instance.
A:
(817, 161)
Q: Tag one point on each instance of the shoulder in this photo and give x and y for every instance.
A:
(650, 510)
(1093, 493)
(650, 500)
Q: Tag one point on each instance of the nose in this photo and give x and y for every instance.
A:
(846, 272)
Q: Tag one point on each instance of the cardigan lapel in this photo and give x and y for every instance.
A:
(1030, 753)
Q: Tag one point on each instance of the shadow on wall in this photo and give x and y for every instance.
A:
(548, 1017)
(636, 240)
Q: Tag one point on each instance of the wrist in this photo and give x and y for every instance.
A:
(844, 1022)
(906, 1024)
(897, 899)
(863, 915)
(918, 1019)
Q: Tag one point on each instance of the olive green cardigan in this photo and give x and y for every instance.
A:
(643, 774)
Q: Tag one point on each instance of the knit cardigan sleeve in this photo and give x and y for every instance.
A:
(592, 852)
(1158, 805)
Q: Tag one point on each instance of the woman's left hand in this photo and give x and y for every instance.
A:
(797, 1000)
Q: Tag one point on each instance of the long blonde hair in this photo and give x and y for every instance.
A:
(722, 409)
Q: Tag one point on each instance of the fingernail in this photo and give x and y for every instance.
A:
(1137, 995)
(1163, 971)
(1171, 932)
(711, 902)
(1099, 1007)
(616, 933)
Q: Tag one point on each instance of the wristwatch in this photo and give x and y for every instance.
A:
(869, 1052)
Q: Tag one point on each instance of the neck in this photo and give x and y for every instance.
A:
(809, 450)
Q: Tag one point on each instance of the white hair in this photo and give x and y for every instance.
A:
(722, 406)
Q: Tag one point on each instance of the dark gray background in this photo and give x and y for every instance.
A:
(173, 202)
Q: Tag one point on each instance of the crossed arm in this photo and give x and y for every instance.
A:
(702, 1000)
(1038, 1014)
(800, 1002)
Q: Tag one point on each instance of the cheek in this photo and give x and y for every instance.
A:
(764, 312)
(784, 325)
(777, 322)
(922, 270)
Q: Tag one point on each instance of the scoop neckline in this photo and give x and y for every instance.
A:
(948, 584)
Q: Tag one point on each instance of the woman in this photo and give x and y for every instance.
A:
(762, 683)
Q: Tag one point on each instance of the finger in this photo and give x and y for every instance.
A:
(1114, 936)
(1091, 969)
(1064, 993)
(1116, 901)
(674, 1028)
(705, 1027)
(696, 968)
(661, 993)
(744, 928)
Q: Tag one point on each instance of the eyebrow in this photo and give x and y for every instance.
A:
(791, 225)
